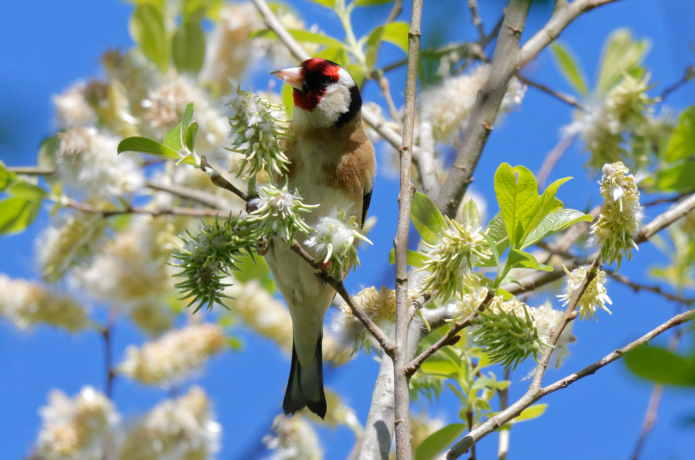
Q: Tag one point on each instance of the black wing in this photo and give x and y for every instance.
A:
(366, 199)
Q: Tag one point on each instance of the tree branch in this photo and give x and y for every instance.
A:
(31, 170)
(664, 220)
(204, 198)
(175, 211)
(566, 98)
(636, 287)
(551, 160)
(503, 68)
(220, 181)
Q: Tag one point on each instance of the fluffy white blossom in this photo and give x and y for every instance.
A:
(604, 124)
(449, 105)
(167, 103)
(595, 296)
(257, 127)
(334, 239)
(545, 318)
(72, 109)
(175, 356)
(277, 211)
(379, 305)
(621, 213)
(87, 161)
(294, 439)
(176, 429)
(27, 304)
(472, 296)
(131, 273)
(453, 257)
(73, 429)
(71, 240)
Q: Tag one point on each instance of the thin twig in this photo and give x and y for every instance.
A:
(204, 198)
(637, 287)
(552, 158)
(220, 181)
(658, 201)
(475, 17)
(400, 358)
(175, 211)
(482, 118)
(425, 158)
(667, 218)
(395, 11)
(687, 76)
(31, 170)
(566, 98)
(386, 91)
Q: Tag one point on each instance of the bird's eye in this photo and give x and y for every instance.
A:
(325, 80)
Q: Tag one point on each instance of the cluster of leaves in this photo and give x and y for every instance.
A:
(22, 204)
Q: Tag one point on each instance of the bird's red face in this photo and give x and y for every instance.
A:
(323, 88)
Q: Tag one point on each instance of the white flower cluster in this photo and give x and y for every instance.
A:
(74, 428)
(72, 109)
(472, 297)
(87, 162)
(71, 240)
(334, 240)
(177, 429)
(603, 124)
(452, 258)
(166, 105)
(175, 356)
(277, 212)
(449, 106)
(621, 213)
(131, 274)
(594, 296)
(257, 128)
(294, 440)
(26, 304)
(380, 306)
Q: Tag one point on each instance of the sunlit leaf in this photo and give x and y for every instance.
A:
(414, 259)
(681, 144)
(678, 178)
(147, 30)
(371, 2)
(396, 33)
(190, 136)
(518, 258)
(426, 217)
(530, 413)
(440, 368)
(518, 200)
(27, 191)
(435, 443)
(621, 54)
(553, 223)
(661, 366)
(188, 47)
(569, 67)
(6, 177)
(16, 214)
(144, 145)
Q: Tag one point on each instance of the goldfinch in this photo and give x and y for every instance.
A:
(333, 165)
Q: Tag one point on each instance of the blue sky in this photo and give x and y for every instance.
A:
(46, 45)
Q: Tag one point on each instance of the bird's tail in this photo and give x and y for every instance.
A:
(305, 385)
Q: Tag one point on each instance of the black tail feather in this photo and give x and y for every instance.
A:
(305, 385)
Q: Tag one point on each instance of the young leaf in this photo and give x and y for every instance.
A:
(681, 144)
(337, 55)
(679, 178)
(553, 223)
(427, 219)
(371, 2)
(144, 145)
(16, 214)
(372, 46)
(190, 136)
(187, 116)
(147, 30)
(470, 215)
(414, 259)
(530, 413)
(523, 259)
(396, 33)
(188, 47)
(173, 138)
(440, 368)
(547, 204)
(493, 248)
(620, 55)
(518, 201)
(326, 3)
(27, 191)
(569, 67)
(438, 441)
(661, 366)
(6, 177)
(304, 36)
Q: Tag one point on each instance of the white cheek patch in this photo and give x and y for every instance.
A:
(334, 103)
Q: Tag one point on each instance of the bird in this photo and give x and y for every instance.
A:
(332, 165)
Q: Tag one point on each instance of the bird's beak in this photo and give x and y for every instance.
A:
(292, 77)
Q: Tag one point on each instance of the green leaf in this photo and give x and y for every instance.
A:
(326, 3)
(287, 95)
(569, 67)
(553, 223)
(523, 259)
(427, 219)
(620, 55)
(337, 55)
(6, 177)
(27, 191)
(530, 413)
(190, 136)
(547, 204)
(144, 145)
(188, 47)
(435, 443)
(372, 46)
(493, 248)
(147, 30)
(173, 138)
(681, 144)
(469, 214)
(396, 33)
(414, 259)
(679, 178)
(16, 214)
(304, 36)
(518, 201)
(498, 233)
(440, 368)
(371, 2)
(661, 366)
